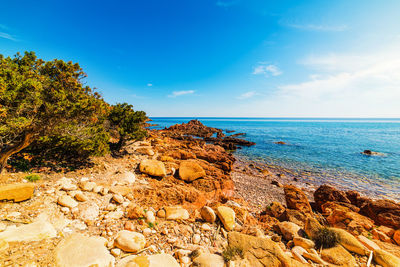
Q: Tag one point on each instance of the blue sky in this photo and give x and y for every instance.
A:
(223, 57)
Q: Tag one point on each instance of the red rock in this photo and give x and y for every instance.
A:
(383, 212)
(296, 199)
(396, 237)
(327, 193)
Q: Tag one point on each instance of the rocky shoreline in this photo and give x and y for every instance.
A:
(175, 199)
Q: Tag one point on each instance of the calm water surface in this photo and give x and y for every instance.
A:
(327, 148)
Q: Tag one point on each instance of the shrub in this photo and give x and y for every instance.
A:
(32, 177)
(326, 238)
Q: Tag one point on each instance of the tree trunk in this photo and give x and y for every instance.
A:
(4, 155)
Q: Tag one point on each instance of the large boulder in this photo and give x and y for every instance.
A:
(17, 192)
(130, 241)
(343, 217)
(259, 251)
(386, 259)
(326, 193)
(289, 230)
(176, 213)
(227, 217)
(82, 251)
(296, 199)
(349, 242)
(190, 170)
(153, 167)
(38, 230)
(383, 212)
(156, 260)
(338, 256)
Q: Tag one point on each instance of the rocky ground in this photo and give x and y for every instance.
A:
(173, 201)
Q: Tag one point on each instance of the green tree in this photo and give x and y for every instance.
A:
(39, 99)
(127, 122)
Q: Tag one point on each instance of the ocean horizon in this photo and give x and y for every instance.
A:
(320, 150)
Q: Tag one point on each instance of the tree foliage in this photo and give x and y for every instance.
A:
(42, 100)
(127, 122)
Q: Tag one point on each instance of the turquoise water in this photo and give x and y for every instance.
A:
(329, 149)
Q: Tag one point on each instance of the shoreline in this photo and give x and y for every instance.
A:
(254, 186)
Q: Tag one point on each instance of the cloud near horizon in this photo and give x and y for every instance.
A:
(181, 93)
(345, 85)
(267, 70)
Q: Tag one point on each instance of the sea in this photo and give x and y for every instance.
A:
(321, 151)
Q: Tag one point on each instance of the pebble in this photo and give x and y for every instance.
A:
(67, 201)
(115, 252)
(196, 238)
(147, 231)
(150, 217)
(118, 198)
(81, 197)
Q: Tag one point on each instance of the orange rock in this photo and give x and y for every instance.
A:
(190, 170)
(296, 199)
(396, 237)
(17, 192)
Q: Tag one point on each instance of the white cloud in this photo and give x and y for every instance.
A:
(149, 84)
(346, 85)
(247, 95)
(181, 93)
(319, 28)
(7, 36)
(267, 70)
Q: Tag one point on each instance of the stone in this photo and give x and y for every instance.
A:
(386, 230)
(196, 239)
(344, 217)
(260, 251)
(176, 213)
(161, 213)
(326, 193)
(38, 230)
(130, 241)
(386, 259)
(88, 212)
(349, 242)
(376, 234)
(17, 192)
(127, 178)
(67, 184)
(369, 244)
(227, 217)
(296, 199)
(115, 215)
(121, 190)
(396, 237)
(206, 227)
(209, 260)
(145, 151)
(338, 256)
(275, 209)
(303, 242)
(208, 214)
(298, 252)
(97, 189)
(81, 197)
(135, 211)
(150, 217)
(289, 230)
(88, 186)
(118, 198)
(383, 212)
(156, 260)
(190, 170)
(67, 201)
(115, 252)
(78, 250)
(153, 168)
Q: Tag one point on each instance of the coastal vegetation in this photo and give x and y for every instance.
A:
(46, 109)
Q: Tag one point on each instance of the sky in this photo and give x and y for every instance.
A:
(222, 58)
